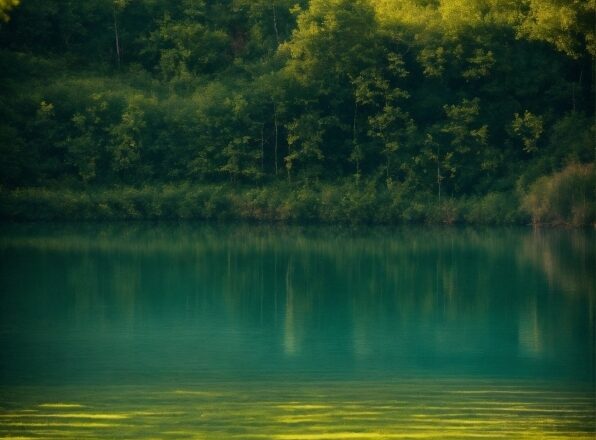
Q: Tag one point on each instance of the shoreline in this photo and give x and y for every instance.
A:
(276, 204)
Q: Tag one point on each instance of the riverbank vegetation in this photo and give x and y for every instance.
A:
(335, 111)
(330, 203)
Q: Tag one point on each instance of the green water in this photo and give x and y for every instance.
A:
(233, 332)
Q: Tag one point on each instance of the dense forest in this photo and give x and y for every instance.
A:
(357, 111)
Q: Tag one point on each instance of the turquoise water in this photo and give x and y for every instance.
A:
(193, 331)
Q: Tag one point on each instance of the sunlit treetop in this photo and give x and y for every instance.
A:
(5, 7)
(568, 25)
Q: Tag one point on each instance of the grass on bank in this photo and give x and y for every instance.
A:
(345, 204)
(565, 198)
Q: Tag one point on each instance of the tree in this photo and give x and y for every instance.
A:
(305, 135)
(5, 7)
(569, 25)
(467, 145)
(87, 142)
(242, 158)
(388, 122)
(333, 41)
(127, 138)
(528, 127)
(187, 46)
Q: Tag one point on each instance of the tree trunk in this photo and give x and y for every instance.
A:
(117, 37)
(275, 22)
(289, 168)
(276, 136)
(439, 171)
(354, 138)
(262, 147)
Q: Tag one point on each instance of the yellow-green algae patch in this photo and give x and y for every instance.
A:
(68, 416)
(366, 410)
(18, 438)
(72, 425)
(60, 405)
(298, 406)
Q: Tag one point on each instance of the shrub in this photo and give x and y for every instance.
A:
(495, 208)
(564, 198)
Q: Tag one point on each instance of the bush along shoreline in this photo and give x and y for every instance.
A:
(566, 198)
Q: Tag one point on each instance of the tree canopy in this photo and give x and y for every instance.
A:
(451, 97)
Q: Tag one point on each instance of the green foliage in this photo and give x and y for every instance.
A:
(5, 7)
(332, 40)
(187, 46)
(528, 128)
(346, 202)
(360, 111)
(305, 135)
(494, 209)
(566, 24)
(127, 137)
(467, 142)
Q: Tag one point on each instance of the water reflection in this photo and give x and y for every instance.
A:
(121, 303)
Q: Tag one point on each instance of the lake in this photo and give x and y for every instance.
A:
(187, 331)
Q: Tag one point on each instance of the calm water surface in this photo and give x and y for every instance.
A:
(240, 332)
